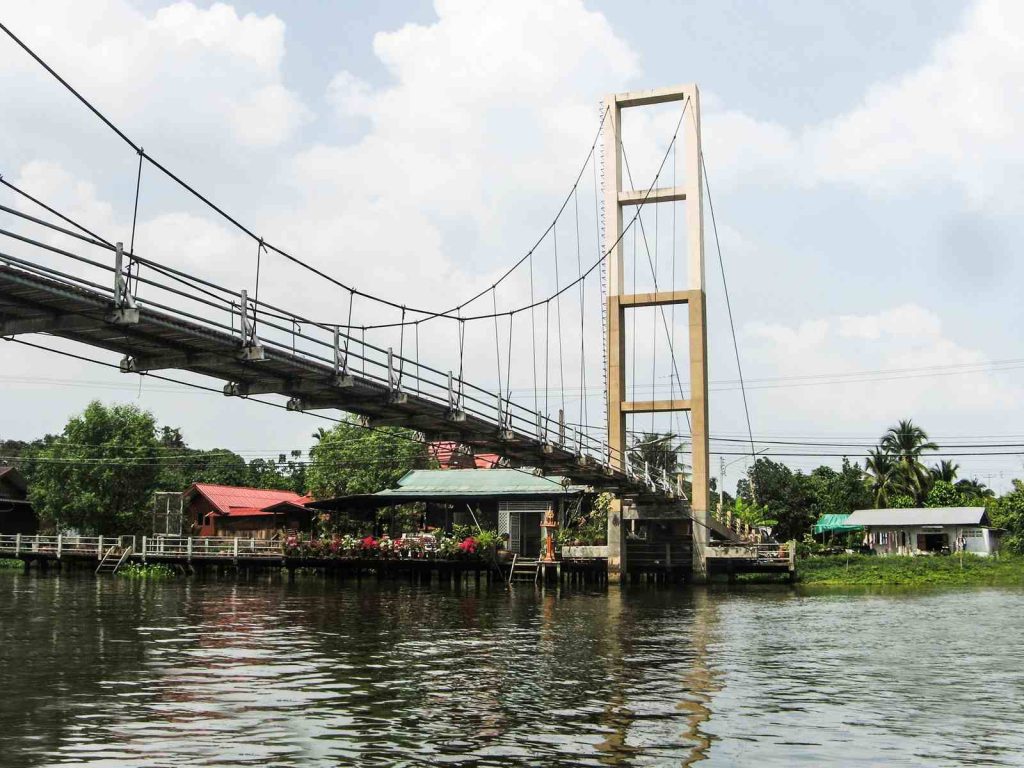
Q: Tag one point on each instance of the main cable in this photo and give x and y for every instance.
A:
(429, 314)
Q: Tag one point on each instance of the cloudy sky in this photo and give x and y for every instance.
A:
(866, 164)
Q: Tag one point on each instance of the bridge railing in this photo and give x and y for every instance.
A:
(203, 302)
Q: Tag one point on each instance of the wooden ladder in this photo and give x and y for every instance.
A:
(113, 559)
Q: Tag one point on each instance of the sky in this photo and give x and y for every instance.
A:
(863, 159)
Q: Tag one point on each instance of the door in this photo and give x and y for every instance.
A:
(529, 534)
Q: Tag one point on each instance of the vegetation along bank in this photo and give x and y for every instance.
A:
(844, 570)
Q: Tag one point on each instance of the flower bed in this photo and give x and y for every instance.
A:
(419, 547)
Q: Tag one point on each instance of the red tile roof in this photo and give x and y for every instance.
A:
(241, 502)
(449, 456)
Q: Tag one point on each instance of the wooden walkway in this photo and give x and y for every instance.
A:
(200, 553)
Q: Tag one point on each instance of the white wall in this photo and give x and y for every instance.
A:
(980, 545)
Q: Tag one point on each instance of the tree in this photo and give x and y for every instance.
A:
(943, 494)
(838, 493)
(752, 514)
(657, 451)
(349, 459)
(783, 495)
(98, 475)
(945, 470)
(1007, 512)
(185, 466)
(880, 477)
(906, 443)
(974, 492)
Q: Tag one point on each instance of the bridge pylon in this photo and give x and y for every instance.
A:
(616, 200)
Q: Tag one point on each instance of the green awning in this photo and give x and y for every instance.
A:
(835, 524)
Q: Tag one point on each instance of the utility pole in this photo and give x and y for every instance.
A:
(721, 484)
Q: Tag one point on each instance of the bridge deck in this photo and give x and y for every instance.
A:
(35, 299)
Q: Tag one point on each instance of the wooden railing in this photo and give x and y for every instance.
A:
(144, 547)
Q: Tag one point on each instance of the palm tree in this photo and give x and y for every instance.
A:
(906, 442)
(659, 452)
(881, 477)
(945, 470)
(974, 489)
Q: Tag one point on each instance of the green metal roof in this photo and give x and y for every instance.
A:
(834, 524)
(479, 482)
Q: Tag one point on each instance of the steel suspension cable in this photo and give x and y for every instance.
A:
(728, 306)
(135, 216)
(429, 314)
(558, 309)
(533, 340)
(584, 415)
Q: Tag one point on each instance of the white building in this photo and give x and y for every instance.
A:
(924, 530)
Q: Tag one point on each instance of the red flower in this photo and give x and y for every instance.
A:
(369, 543)
(468, 546)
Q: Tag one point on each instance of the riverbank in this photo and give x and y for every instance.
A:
(843, 570)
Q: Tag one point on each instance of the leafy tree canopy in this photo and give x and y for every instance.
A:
(1007, 512)
(349, 459)
(97, 476)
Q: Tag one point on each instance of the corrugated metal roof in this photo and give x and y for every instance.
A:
(226, 498)
(478, 482)
(919, 516)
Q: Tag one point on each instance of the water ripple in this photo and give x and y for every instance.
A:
(214, 673)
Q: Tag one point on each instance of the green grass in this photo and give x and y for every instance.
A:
(11, 563)
(153, 571)
(842, 570)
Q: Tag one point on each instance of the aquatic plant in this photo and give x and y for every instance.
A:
(152, 571)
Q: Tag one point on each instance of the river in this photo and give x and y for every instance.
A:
(116, 672)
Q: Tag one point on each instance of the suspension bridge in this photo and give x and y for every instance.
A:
(59, 277)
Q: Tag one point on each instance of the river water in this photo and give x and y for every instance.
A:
(114, 672)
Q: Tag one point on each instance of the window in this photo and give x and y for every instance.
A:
(972, 533)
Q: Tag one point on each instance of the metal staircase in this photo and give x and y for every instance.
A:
(523, 569)
(113, 559)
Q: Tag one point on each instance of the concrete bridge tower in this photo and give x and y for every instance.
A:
(616, 201)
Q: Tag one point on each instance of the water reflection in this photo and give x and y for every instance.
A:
(120, 673)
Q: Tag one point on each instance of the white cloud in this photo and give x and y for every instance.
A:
(909, 320)
(268, 117)
(186, 76)
(258, 40)
(953, 121)
(849, 370)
